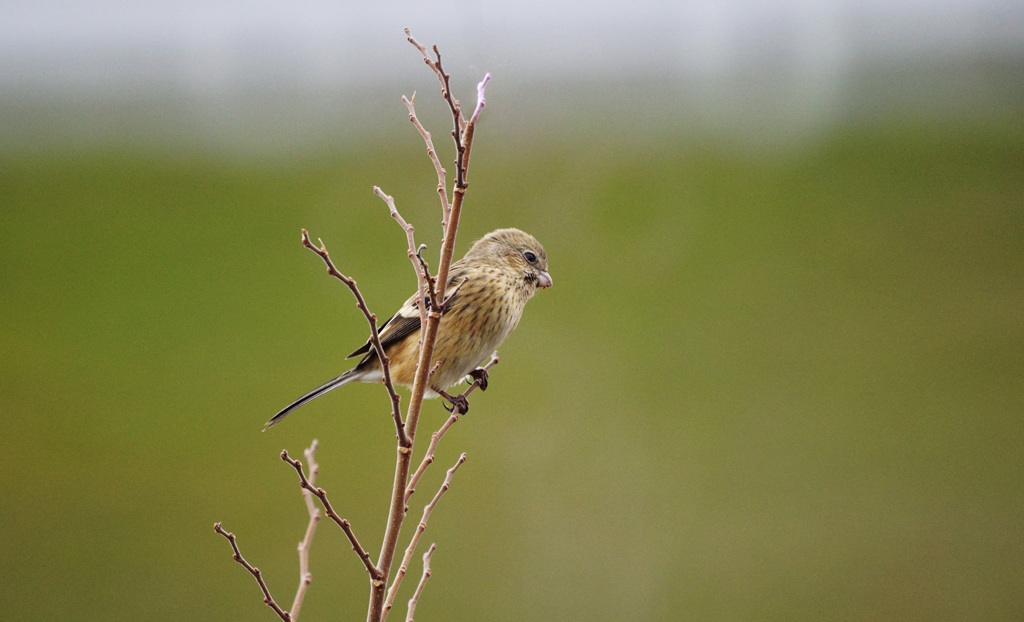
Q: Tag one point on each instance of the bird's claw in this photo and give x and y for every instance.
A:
(479, 375)
(458, 401)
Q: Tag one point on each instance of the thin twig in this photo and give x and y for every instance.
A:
(460, 121)
(305, 577)
(404, 567)
(423, 582)
(422, 273)
(446, 91)
(371, 319)
(433, 370)
(436, 437)
(443, 304)
(346, 526)
(442, 183)
(267, 598)
(431, 281)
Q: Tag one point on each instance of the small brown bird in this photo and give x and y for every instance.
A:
(494, 280)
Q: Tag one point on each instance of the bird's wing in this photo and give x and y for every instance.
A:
(407, 320)
(398, 326)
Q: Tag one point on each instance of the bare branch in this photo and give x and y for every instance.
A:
(460, 121)
(371, 319)
(404, 567)
(255, 572)
(431, 281)
(432, 298)
(423, 583)
(433, 370)
(442, 183)
(426, 56)
(442, 305)
(305, 577)
(446, 91)
(422, 273)
(462, 135)
(436, 437)
(346, 526)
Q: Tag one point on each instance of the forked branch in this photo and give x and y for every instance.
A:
(346, 526)
(420, 528)
(462, 135)
(443, 78)
(371, 319)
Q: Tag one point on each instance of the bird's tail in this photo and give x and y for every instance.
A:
(330, 385)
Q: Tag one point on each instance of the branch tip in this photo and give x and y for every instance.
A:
(255, 572)
(423, 582)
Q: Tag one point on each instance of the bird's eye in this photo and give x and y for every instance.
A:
(530, 256)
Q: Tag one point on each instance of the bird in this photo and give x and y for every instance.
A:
(486, 293)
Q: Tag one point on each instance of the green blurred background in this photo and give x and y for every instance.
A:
(780, 375)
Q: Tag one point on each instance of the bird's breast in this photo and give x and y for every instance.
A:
(482, 316)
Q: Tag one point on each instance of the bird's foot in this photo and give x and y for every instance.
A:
(479, 375)
(457, 401)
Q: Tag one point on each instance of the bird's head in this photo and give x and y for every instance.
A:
(517, 251)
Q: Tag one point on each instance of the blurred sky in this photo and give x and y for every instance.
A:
(220, 44)
(270, 75)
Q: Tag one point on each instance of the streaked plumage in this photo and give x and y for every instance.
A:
(502, 271)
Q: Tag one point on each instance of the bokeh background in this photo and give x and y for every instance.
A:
(780, 374)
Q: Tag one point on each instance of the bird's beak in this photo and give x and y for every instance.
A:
(544, 279)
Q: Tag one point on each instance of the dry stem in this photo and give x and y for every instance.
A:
(396, 513)
(442, 184)
(397, 510)
(305, 577)
(460, 121)
(423, 582)
(404, 567)
(431, 281)
(375, 574)
(418, 265)
(255, 572)
(404, 439)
